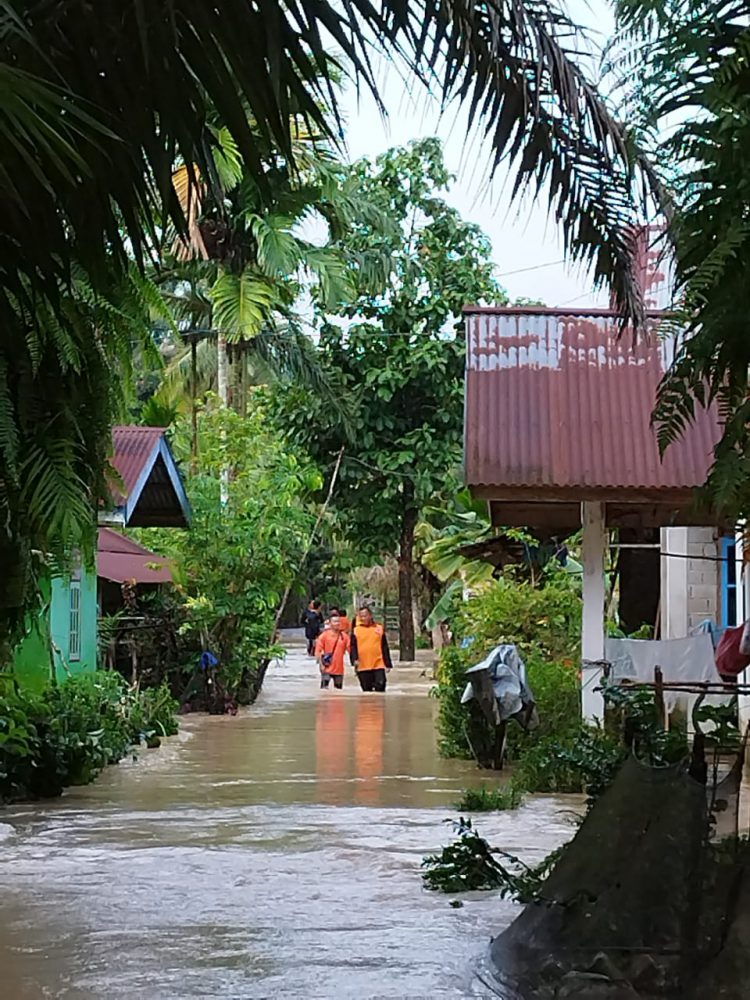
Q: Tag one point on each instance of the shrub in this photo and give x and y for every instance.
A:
(556, 689)
(586, 760)
(483, 799)
(544, 622)
(67, 734)
(454, 719)
(154, 715)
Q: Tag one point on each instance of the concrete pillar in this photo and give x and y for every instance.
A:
(674, 579)
(593, 550)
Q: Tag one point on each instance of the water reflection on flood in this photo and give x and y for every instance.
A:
(271, 855)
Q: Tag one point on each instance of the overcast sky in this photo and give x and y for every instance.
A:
(526, 245)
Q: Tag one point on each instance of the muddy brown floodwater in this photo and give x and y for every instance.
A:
(275, 854)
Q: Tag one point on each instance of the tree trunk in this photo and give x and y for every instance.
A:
(222, 361)
(222, 368)
(405, 579)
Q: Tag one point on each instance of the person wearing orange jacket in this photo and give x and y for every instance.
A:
(346, 625)
(330, 648)
(370, 655)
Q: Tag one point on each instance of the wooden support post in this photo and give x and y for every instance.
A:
(593, 550)
(659, 697)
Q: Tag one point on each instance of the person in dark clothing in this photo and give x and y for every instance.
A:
(369, 652)
(312, 619)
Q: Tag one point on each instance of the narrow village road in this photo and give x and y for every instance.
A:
(275, 854)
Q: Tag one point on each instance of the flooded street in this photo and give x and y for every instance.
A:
(275, 854)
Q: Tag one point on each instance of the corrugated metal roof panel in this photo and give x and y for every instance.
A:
(554, 400)
(120, 559)
(133, 449)
(151, 492)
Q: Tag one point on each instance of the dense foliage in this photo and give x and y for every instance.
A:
(68, 733)
(580, 758)
(238, 557)
(96, 111)
(59, 395)
(544, 622)
(398, 359)
(246, 270)
(561, 754)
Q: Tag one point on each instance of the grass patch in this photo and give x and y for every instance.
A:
(484, 799)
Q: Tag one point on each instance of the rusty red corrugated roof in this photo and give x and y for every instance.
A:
(121, 559)
(133, 449)
(554, 400)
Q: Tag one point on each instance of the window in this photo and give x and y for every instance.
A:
(74, 637)
(728, 582)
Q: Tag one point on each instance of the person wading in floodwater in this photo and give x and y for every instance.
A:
(312, 619)
(330, 648)
(346, 625)
(370, 655)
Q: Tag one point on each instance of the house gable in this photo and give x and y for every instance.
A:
(150, 492)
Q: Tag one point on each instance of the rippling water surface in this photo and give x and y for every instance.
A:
(275, 854)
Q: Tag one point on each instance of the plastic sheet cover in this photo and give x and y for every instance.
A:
(508, 674)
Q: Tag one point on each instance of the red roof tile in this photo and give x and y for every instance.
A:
(555, 401)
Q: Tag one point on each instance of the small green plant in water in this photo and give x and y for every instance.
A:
(465, 864)
(484, 799)
(470, 863)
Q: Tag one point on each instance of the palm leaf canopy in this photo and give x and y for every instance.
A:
(136, 82)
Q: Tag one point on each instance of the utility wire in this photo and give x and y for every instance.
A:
(534, 267)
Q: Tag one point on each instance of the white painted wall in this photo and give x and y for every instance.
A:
(690, 579)
(674, 583)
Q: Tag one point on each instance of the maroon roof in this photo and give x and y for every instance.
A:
(150, 491)
(133, 449)
(122, 560)
(558, 407)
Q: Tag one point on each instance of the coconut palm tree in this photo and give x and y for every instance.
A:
(239, 273)
(96, 111)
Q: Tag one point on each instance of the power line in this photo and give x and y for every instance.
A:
(576, 298)
(534, 267)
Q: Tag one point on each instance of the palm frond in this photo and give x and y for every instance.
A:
(279, 253)
(329, 270)
(514, 65)
(241, 304)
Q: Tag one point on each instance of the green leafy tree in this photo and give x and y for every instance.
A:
(60, 393)
(238, 557)
(240, 275)
(399, 359)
